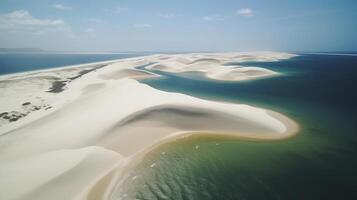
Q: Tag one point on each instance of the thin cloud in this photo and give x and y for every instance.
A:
(142, 25)
(90, 30)
(166, 15)
(23, 21)
(95, 20)
(214, 18)
(116, 10)
(61, 7)
(120, 10)
(247, 12)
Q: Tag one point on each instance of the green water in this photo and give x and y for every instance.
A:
(318, 92)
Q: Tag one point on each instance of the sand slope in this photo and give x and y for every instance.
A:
(215, 66)
(105, 120)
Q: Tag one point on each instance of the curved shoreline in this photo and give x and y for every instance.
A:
(109, 118)
(119, 176)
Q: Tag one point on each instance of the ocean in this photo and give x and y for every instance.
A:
(21, 62)
(317, 91)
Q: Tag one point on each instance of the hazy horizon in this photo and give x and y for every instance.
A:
(179, 26)
(50, 51)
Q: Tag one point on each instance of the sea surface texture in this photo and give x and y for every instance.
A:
(318, 91)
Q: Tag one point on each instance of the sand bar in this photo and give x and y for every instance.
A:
(105, 120)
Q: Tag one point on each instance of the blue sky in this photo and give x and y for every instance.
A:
(181, 25)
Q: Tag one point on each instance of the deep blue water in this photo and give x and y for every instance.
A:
(317, 91)
(20, 62)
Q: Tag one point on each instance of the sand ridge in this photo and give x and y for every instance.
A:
(106, 120)
(214, 66)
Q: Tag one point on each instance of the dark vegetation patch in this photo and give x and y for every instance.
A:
(12, 116)
(59, 86)
(26, 103)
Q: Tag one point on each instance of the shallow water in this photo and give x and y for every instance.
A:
(317, 91)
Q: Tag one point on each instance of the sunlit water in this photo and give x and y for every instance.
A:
(317, 91)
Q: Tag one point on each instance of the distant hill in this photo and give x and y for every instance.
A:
(24, 50)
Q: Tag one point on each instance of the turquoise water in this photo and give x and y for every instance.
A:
(20, 62)
(317, 91)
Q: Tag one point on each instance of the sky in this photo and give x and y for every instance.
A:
(179, 25)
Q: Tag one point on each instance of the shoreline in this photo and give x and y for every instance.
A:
(120, 176)
(83, 65)
(117, 110)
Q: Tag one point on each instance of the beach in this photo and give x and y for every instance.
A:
(75, 133)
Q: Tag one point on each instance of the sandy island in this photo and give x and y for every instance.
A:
(75, 133)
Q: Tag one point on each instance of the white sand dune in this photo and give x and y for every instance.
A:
(213, 65)
(44, 175)
(104, 121)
